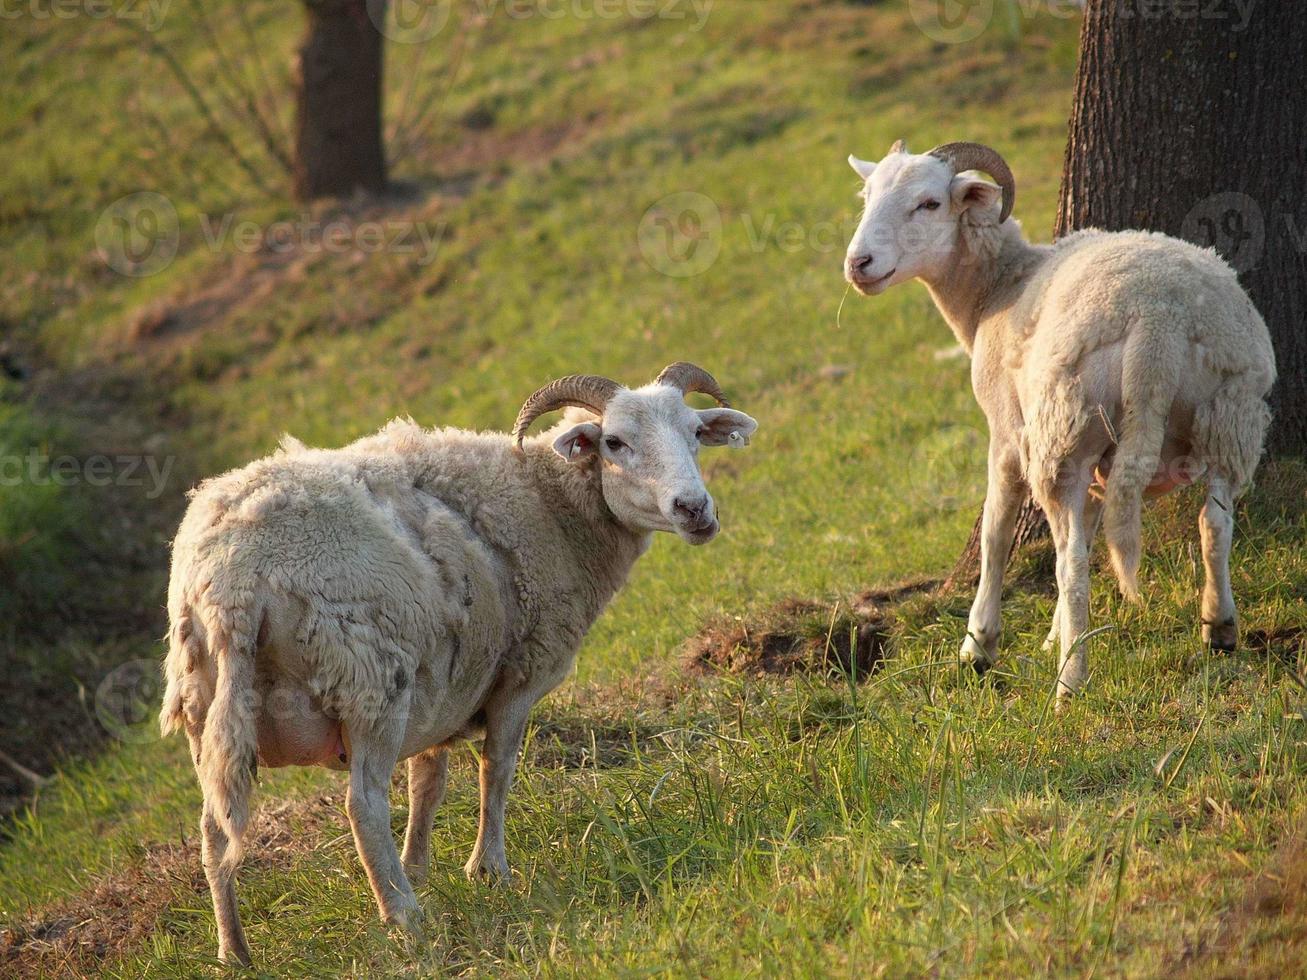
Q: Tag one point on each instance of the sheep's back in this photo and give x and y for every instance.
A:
(357, 577)
(1096, 287)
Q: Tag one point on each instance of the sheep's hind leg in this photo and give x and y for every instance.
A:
(505, 726)
(1093, 518)
(1216, 526)
(220, 863)
(373, 756)
(427, 775)
(1066, 521)
(998, 524)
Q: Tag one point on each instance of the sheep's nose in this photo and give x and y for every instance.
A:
(859, 264)
(691, 508)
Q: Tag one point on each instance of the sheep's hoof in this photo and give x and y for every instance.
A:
(486, 870)
(237, 955)
(1222, 636)
(408, 924)
(973, 654)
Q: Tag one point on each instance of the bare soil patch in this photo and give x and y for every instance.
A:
(1287, 644)
(799, 636)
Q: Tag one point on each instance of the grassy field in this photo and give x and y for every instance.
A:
(667, 821)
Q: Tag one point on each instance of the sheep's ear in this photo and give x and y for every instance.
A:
(971, 192)
(863, 168)
(579, 442)
(725, 427)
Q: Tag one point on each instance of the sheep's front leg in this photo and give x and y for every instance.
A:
(428, 773)
(1216, 526)
(997, 525)
(373, 758)
(505, 727)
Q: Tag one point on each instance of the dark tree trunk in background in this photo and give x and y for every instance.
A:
(1191, 119)
(338, 145)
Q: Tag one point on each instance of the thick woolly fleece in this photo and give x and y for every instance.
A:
(435, 561)
(1135, 331)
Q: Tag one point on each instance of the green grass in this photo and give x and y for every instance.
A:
(919, 823)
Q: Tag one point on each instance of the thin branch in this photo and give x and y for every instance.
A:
(411, 84)
(455, 67)
(236, 79)
(35, 778)
(189, 162)
(269, 93)
(196, 97)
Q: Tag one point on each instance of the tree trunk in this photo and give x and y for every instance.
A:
(338, 147)
(1192, 120)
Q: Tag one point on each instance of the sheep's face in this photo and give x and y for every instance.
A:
(909, 227)
(647, 444)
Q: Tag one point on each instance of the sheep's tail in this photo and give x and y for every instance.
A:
(1230, 429)
(218, 715)
(1150, 379)
(176, 665)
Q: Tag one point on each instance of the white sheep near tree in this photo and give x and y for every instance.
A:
(350, 608)
(1109, 365)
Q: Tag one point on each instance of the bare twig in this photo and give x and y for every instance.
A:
(419, 127)
(179, 72)
(35, 778)
(267, 93)
(190, 163)
(241, 102)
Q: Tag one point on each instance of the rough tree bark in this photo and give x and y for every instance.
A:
(1191, 119)
(338, 142)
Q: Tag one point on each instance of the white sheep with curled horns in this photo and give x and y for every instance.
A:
(353, 607)
(1110, 366)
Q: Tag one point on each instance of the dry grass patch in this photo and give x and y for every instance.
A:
(1265, 935)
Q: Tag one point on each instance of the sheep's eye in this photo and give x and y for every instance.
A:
(614, 444)
(930, 205)
(698, 433)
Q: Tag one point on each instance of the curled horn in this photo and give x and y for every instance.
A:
(977, 156)
(582, 390)
(690, 377)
